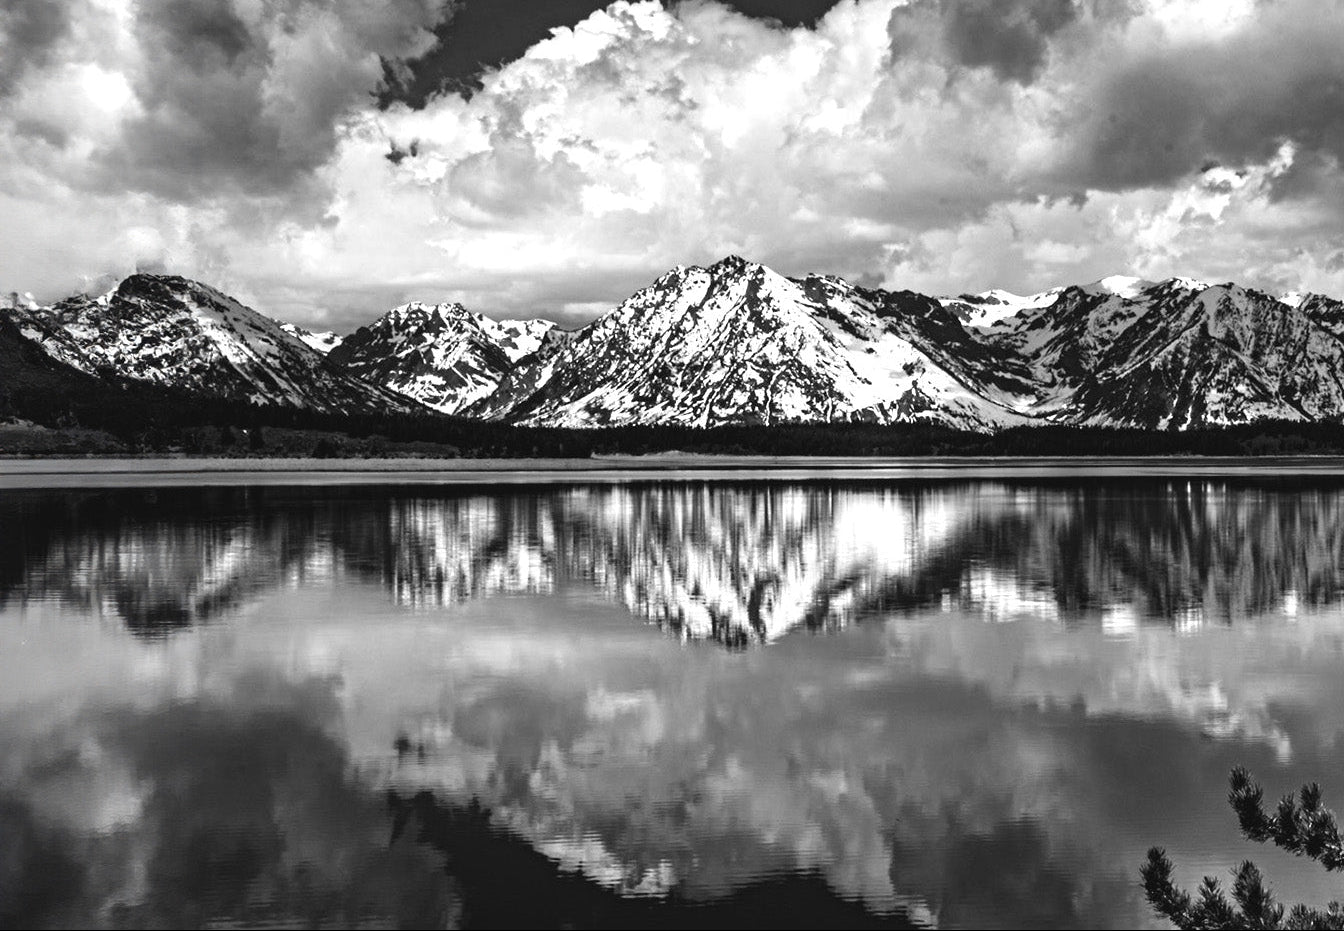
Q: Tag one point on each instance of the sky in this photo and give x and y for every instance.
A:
(324, 160)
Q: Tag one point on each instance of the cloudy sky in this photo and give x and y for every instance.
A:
(326, 159)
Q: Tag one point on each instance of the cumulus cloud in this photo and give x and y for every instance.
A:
(947, 146)
(1168, 107)
(253, 103)
(28, 33)
(1010, 37)
(478, 36)
(204, 99)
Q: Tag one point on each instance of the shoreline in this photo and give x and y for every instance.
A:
(94, 472)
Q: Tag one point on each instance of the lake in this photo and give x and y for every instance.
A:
(904, 702)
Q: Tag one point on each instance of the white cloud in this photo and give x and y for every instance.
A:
(645, 137)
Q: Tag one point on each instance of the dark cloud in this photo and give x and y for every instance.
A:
(30, 31)
(1009, 37)
(479, 35)
(788, 13)
(236, 103)
(198, 32)
(202, 91)
(1314, 174)
(1171, 112)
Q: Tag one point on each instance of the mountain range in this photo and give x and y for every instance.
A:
(737, 343)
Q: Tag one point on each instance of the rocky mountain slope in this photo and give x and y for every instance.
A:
(179, 334)
(441, 355)
(737, 343)
(1177, 354)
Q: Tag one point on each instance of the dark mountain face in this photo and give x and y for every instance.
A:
(26, 367)
(736, 343)
(1217, 356)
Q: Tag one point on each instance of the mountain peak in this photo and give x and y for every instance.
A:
(144, 283)
(189, 337)
(1182, 283)
(416, 315)
(994, 296)
(734, 264)
(1126, 286)
(157, 283)
(736, 342)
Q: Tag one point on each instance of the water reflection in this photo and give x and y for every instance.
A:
(707, 561)
(441, 552)
(356, 706)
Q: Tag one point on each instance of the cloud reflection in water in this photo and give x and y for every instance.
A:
(1033, 684)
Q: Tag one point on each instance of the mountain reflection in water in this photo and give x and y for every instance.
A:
(341, 705)
(734, 565)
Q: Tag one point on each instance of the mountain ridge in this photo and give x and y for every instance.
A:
(736, 343)
(180, 334)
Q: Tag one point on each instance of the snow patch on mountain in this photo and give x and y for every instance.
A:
(988, 308)
(322, 341)
(21, 300)
(1126, 286)
(519, 338)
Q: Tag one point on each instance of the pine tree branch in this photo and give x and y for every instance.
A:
(1258, 908)
(1212, 910)
(1300, 824)
(1168, 901)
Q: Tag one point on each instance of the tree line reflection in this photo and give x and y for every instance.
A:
(734, 564)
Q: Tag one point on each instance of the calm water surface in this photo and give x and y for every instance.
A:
(938, 703)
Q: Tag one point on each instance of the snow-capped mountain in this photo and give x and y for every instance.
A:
(186, 336)
(441, 355)
(1178, 354)
(738, 343)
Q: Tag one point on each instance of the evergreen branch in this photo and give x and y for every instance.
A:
(1168, 901)
(1300, 824)
(1258, 907)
